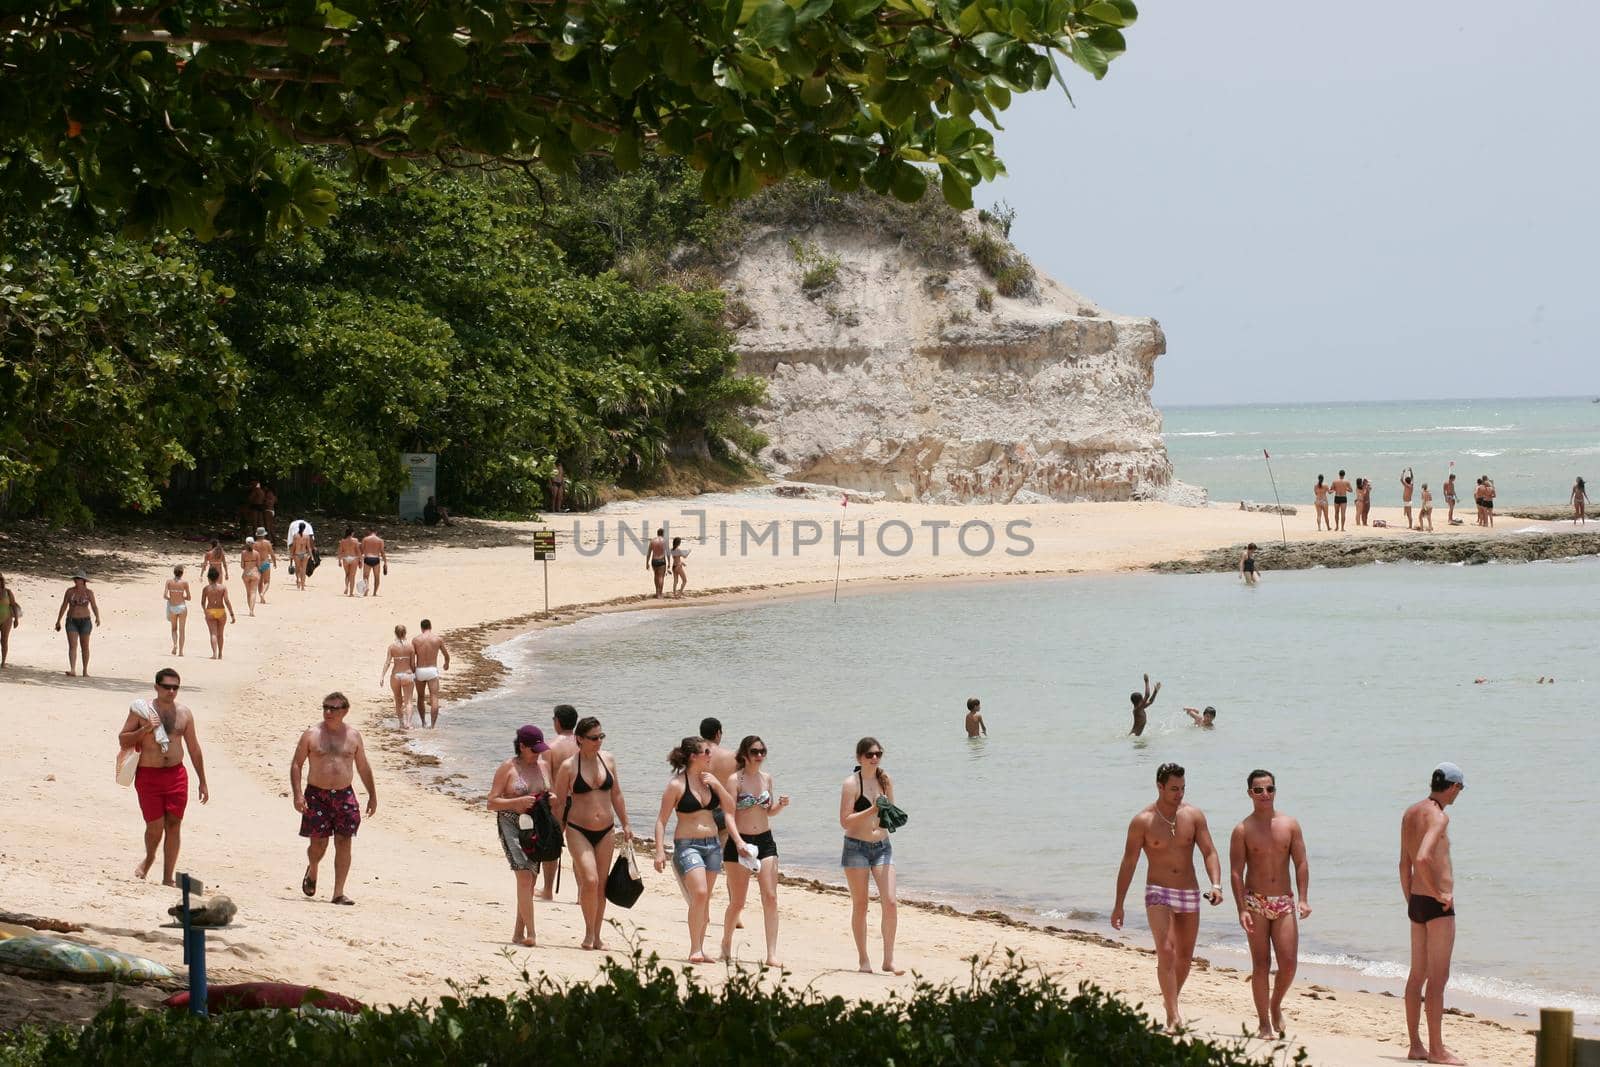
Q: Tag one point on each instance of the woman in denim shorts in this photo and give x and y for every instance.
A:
(695, 794)
(867, 850)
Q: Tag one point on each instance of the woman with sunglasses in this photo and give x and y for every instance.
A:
(696, 795)
(867, 850)
(590, 798)
(755, 802)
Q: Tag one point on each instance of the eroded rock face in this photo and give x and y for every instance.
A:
(897, 379)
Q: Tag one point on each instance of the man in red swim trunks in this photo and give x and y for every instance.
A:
(327, 805)
(155, 727)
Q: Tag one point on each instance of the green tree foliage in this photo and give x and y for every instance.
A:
(178, 114)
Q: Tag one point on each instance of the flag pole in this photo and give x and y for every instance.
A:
(1281, 525)
(839, 551)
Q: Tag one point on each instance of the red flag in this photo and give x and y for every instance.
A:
(845, 502)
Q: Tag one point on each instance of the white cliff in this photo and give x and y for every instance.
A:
(924, 384)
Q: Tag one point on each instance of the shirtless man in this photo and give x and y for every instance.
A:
(1488, 501)
(1258, 857)
(976, 727)
(218, 610)
(328, 806)
(1167, 832)
(563, 746)
(300, 545)
(1405, 493)
(656, 559)
(266, 559)
(1320, 492)
(1428, 884)
(724, 761)
(428, 646)
(372, 555)
(215, 557)
(177, 594)
(1141, 704)
(349, 559)
(1425, 512)
(1341, 498)
(161, 781)
(1450, 499)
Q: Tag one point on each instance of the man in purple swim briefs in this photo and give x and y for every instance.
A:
(1427, 881)
(327, 805)
(1167, 832)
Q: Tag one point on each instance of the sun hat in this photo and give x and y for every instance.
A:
(532, 737)
(80, 577)
(261, 531)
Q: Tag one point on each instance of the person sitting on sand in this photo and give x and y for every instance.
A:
(694, 793)
(975, 725)
(1341, 498)
(1247, 564)
(1580, 501)
(400, 658)
(588, 793)
(1141, 705)
(154, 727)
(868, 852)
(1206, 720)
(1168, 831)
(77, 604)
(756, 801)
(177, 595)
(10, 615)
(1320, 493)
(519, 784)
(327, 805)
(218, 610)
(1259, 854)
(1405, 493)
(433, 514)
(1425, 513)
(249, 574)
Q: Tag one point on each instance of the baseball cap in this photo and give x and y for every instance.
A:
(532, 737)
(1449, 774)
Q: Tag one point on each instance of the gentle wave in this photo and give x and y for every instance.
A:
(1520, 993)
(1485, 454)
(1455, 429)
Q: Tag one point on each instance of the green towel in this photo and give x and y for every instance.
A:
(891, 817)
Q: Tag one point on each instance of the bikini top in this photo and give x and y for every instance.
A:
(862, 803)
(519, 784)
(688, 804)
(744, 801)
(579, 785)
(78, 600)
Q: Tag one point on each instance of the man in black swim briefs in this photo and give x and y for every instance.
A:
(1427, 881)
(656, 559)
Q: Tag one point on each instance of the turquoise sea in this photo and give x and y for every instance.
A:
(1532, 449)
(1350, 685)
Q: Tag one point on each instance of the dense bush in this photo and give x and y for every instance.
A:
(647, 1014)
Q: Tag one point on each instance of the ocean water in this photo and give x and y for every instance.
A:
(1532, 449)
(1350, 685)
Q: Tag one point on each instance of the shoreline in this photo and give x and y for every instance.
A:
(431, 881)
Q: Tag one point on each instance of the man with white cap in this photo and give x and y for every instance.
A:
(1428, 884)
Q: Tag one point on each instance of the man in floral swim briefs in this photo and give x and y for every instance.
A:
(328, 806)
(1167, 832)
(1258, 856)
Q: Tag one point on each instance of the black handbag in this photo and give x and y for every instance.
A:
(623, 885)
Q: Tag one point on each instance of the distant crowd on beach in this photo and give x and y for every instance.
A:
(1340, 490)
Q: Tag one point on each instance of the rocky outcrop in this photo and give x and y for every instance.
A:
(919, 381)
(1302, 555)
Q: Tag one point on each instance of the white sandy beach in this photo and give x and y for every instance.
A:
(434, 898)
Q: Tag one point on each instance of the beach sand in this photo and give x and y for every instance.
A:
(434, 898)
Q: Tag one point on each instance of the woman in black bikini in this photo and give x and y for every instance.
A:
(696, 795)
(590, 798)
(755, 803)
(867, 851)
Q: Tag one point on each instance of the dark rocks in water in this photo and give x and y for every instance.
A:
(1303, 555)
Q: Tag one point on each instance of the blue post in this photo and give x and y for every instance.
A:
(194, 949)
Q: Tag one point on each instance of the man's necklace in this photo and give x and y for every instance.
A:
(1172, 823)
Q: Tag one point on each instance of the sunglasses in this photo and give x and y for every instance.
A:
(168, 688)
(1263, 790)
(873, 755)
(594, 737)
(758, 752)
(334, 707)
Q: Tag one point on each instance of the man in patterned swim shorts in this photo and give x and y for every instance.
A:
(328, 806)
(1258, 857)
(1167, 832)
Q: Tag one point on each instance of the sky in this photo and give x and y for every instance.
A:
(1331, 201)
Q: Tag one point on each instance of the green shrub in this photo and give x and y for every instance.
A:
(818, 269)
(644, 1013)
(985, 299)
(1016, 279)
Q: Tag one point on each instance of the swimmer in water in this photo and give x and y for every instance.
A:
(1141, 705)
(1206, 720)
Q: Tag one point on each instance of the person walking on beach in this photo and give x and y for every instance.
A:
(694, 793)
(1263, 845)
(756, 801)
(349, 560)
(974, 723)
(589, 795)
(1427, 881)
(299, 551)
(254, 507)
(1450, 499)
(217, 608)
(1341, 497)
(1319, 493)
(1168, 831)
(869, 852)
(680, 575)
(1247, 564)
(266, 559)
(249, 574)
(1405, 493)
(520, 783)
(562, 748)
(1206, 720)
(426, 648)
(334, 754)
(77, 604)
(656, 559)
(374, 561)
(1488, 500)
(215, 557)
(399, 659)
(177, 596)
(10, 615)
(1580, 501)
(723, 759)
(1425, 512)
(155, 727)
(1141, 705)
